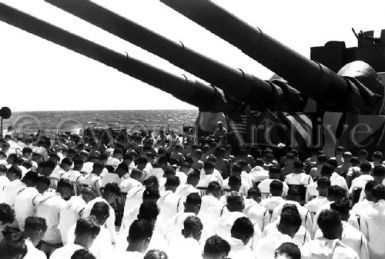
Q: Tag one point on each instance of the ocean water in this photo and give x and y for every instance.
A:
(60, 121)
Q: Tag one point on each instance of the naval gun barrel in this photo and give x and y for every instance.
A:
(307, 76)
(234, 82)
(206, 97)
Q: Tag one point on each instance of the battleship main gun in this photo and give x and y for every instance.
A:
(244, 87)
(199, 94)
(355, 89)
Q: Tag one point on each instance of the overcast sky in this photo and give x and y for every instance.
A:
(39, 75)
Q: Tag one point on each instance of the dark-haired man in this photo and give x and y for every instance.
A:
(234, 210)
(139, 237)
(216, 248)
(188, 246)
(107, 198)
(276, 190)
(70, 209)
(289, 224)
(288, 250)
(169, 201)
(173, 229)
(86, 231)
(373, 223)
(190, 186)
(242, 232)
(35, 229)
(335, 179)
(12, 250)
(15, 185)
(274, 174)
(102, 245)
(24, 207)
(212, 208)
(298, 176)
(351, 236)
(323, 185)
(7, 216)
(359, 182)
(4, 181)
(256, 213)
(330, 245)
(208, 175)
(48, 204)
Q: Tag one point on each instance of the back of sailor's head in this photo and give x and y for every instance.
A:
(140, 230)
(329, 221)
(148, 210)
(235, 202)
(193, 203)
(379, 192)
(192, 227)
(216, 247)
(242, 229)
(86, 228)
(101, 211)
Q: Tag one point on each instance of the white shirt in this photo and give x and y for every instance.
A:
(184, 190)
(360, 182)
(87, 167)
(113, 161)
(316, 204)
(244, 186)
(327, 249)
(298, 179)
(216, 174)
(92, 180)
(69, 215)
(4, 181)
(168, 204)
(58, 173)
(264, 187)
(361, 207)
(258, 174)
(33, 252)
(272, 202)
(206, 179)
(127, 220)
(182, 177)
(353, 238)
(335, 179)
(301, 237)
(266, 247)
(133, 199)
(304, 213)
(256, 213)
(210, 212)
(48, 207)
(226, 222)
(73, 175)
(373, 227)
(173, 229)
(127, 184)
(24, 207)
(187, 248)
(157, 172)
(239, 250)
(110, 223)
(146, 171)
(130, 255)
(11, 190)
(111, 178)
(101, 248)
(65, 252)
